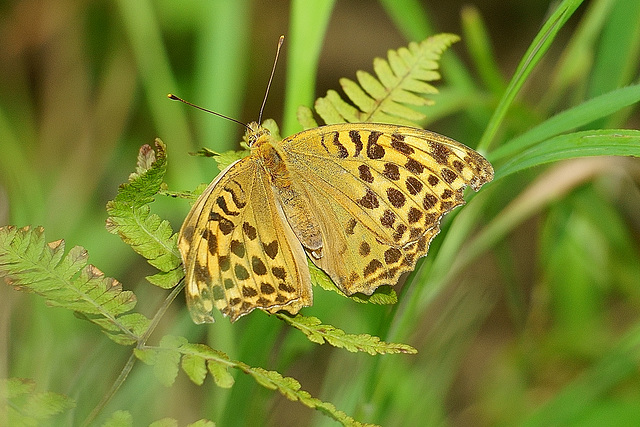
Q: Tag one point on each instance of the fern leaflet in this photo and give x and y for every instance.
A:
(315, 331)
(28, 263)
(146, 233)
(24, 406)
(196, 360)
(400, 85)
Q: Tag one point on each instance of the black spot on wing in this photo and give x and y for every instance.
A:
(234, 196)
(222, 204)
(271, 249)
(369, 200)
(374, 150)
(224, 224)
(397, 142)
(249, 230)
(357, 142)
(365, 173)
(342, 151)
(391, 171)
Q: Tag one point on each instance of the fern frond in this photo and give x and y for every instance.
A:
(146, 233)
(313, 328)
(388, 97)
(291, 389)
(30, 264)
(125, 419)
(382, 295)
(196, 360)
(27, 407)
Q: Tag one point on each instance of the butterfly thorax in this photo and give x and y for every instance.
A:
(292, 199)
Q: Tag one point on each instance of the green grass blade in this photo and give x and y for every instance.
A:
(222, 59)
(618, 365)
(576, 61)
(616, 61)
(308, 24)
(479, 44)
(410, 18)
(583, 114)
(157, 78)
(536, 51)
(606, 142)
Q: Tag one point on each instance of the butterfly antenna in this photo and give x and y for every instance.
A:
(176, 98)
(273, 70)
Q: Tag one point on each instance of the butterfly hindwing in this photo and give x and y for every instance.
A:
(238, 251)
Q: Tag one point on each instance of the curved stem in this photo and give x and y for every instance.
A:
(132, 358)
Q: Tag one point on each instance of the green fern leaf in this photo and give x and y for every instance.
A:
(28, 263)
(166, 363)
(165, 422)
(119, 419)
(195, 367)
(305, 117)
(195, 357)
(313, 328)
(130, 218)
(291, 389)
(202, 423)
(135, 323)
(399, 85)
(25, 406)
(220, 374)
(217, 363)
(166, 280)
(382, 295)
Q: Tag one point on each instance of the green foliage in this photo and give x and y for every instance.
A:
(125, 419)
(313, 328)
(176, 352)
(146, 233)
(551, 308)
(30, 264)
(382, 295)
(22, 405)
(393, 96)
(606, 142)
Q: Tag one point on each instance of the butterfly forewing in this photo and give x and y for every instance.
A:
(238, 251)
(380, 191)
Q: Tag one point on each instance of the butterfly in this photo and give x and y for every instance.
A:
(361, 200)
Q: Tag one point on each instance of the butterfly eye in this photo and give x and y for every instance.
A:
(254, 133)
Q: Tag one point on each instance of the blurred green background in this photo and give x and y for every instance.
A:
(538, 324)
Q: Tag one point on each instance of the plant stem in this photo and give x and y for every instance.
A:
(132, 358)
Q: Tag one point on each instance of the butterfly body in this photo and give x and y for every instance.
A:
(290, 196)
(363, 200)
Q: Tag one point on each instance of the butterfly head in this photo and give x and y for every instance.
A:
(255, 133)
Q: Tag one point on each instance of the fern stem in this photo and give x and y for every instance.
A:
(159, 314)
(132, 358)
(114, 388)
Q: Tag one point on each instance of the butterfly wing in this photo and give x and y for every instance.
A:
(380, 192)
(238, 251)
